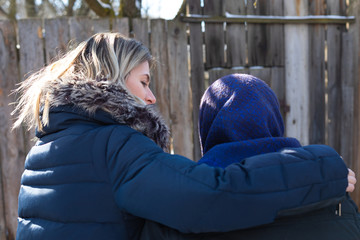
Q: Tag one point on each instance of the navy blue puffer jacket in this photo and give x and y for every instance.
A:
(91, 177)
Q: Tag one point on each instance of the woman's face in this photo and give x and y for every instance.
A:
(138, 83)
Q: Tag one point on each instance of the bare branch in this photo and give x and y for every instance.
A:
(12, 9)
(3, 13)
(130, 8)
(30, 8)
(51, 6)
(101, 9)
(83, 9)
(69, 9)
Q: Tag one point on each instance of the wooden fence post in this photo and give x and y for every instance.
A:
(197, 72)
(31, 46)
(235, 35)
(121, 25)
(354, 10)
(12, 143)
(297, 72)
(347, 98)
(265, 42)
(333, 38)
(179, 89)
(279, 87)
(56, 37)
(262, 73)
(160, 79)
(83, 28)
(31, 55)
(141, 31)
(214, 35)
(316, 76)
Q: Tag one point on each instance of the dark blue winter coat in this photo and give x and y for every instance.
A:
(92, 176)
(240, 114)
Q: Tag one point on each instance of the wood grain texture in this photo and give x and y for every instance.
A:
(235, 35)
(354, 29)
(265, 42)
(334, 42)
(214, 36)
(160, 75)
(31, 46)
(196, 72)
(141, 31)
(12, 143)
(56, 38)
(121, 25)
(82, 28)
(180, 94)
(347, 98)
(317, 109)
(216, 73)
(297, 73)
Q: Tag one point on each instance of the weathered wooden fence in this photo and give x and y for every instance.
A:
(311, 65)
(306, 50)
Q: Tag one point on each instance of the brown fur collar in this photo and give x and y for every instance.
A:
(92, 95)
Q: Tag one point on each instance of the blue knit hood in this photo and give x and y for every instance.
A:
(241, 111)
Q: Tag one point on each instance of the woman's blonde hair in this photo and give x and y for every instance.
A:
(109, 56)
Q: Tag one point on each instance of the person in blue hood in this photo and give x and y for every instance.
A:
(240, 116)
(100, 168)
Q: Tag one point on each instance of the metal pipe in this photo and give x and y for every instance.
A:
(230, 18)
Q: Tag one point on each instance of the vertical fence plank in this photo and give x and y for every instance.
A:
(214, 35)
(256, 34)
(141, 31)
(12, 149)
(197, 72)
(31, 54)
(347, 98)
(82, 28)
(56, 37)
(101, 25)
(278, 86)
(121, 25)
(216, 73)
(262, 73)
(180, 95)
(265, 42)
(297, 72)
(317, 75)
(235, 35)
(275, 58)
(333, 38)
(31, 45)
(159, 83)
(354, 10)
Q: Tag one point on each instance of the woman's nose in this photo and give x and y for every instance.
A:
(150, 98)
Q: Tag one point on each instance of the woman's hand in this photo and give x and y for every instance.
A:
(351, 181)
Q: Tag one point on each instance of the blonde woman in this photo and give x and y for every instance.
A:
(99, 168)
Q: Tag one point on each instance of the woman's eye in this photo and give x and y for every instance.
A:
(144, 83)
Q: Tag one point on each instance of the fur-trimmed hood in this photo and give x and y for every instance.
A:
(93, 95)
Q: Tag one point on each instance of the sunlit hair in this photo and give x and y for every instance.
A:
(109, 56)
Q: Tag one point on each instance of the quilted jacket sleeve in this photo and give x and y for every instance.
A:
(194, 198)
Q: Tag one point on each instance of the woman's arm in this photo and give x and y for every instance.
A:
(181, 194)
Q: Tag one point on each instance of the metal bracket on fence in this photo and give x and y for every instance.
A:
(231, 18)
